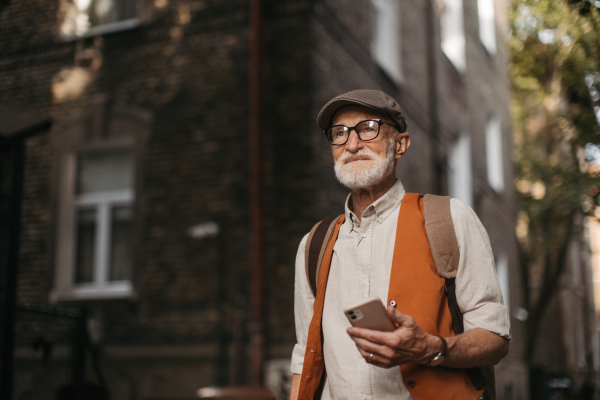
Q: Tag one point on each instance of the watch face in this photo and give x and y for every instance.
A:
(437, 360)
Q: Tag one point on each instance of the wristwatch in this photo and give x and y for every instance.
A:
(441, 356)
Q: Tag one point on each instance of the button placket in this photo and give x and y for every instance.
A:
(365, 252)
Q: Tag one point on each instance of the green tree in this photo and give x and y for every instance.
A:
(555, 70)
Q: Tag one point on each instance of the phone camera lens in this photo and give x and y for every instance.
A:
(351, 312)
(353, 317)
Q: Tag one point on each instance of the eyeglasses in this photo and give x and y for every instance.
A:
(366, 130)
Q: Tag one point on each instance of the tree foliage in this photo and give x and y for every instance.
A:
(555, 71)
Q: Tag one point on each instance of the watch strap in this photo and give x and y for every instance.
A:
(439, 357)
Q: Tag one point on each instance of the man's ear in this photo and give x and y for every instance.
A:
(402, 144)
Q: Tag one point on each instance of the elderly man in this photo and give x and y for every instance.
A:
(379, 248)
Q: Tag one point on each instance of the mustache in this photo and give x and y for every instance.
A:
(359, 154)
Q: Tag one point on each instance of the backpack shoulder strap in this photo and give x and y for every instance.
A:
(446, 255)
(317, 241)
(444, 249)
(441, 235)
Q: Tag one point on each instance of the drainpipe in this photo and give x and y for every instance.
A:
(256, 222)
(438, 167)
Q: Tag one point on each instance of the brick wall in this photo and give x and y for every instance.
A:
(183, 75)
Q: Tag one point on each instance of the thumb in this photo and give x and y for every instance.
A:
(397, 317)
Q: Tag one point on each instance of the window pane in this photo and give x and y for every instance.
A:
(453, 36)
(102, 12)
(487, 24)
(102, 172)
(503, 278)
(386, 46)
(494, 155)
(126, 9)
(86, 238)
(459, 161)
(121, 243)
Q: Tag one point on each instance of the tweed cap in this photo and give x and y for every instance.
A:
(374, 99)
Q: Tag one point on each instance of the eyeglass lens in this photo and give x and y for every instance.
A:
(366, 130)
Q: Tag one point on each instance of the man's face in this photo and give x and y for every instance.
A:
(360, 164)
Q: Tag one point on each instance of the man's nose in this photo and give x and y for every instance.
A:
(354, 143)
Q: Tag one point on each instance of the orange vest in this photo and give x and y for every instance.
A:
(418, 290)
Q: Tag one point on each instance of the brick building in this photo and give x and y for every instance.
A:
(150, 103)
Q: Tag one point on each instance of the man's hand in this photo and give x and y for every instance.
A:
(410, 344)
(407, 344)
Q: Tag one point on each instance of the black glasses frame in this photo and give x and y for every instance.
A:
(350, 128)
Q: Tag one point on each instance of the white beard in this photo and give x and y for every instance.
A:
(354, 177)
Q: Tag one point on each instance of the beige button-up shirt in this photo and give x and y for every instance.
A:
(361, 268)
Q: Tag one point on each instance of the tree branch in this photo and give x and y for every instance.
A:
(551, 278)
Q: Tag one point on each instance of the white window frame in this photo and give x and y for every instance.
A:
(487, 25)
(386, 48)
(460, 179)
(494, 154)
(69, 203)
(452, 31)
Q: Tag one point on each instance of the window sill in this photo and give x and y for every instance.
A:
(120, 290)
(113, 27)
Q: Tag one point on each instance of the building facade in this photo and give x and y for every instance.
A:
(136, 203)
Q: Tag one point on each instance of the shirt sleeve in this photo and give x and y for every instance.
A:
(303, 309)
(478, 292)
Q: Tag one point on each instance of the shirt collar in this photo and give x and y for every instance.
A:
(383, 206)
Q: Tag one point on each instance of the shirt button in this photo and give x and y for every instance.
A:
(365, 235)
(364, 398)
(411, 384)
(393, 303)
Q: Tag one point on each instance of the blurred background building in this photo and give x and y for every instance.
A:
(566, 355)
(136, 204)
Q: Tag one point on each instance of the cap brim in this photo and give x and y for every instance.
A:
(327, 112)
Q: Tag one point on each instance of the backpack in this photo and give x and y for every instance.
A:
(444, 248)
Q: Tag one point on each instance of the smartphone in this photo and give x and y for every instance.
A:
(370, 314)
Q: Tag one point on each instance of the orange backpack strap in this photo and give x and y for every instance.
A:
(446, 255)
(317, 241)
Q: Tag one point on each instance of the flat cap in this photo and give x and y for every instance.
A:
(374, 99)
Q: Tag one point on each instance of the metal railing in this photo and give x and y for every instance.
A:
(50, 354)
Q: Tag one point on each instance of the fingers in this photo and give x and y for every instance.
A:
(398, 318)
(388, 339)
(375, 359)
(366, 347)
(383, 349)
